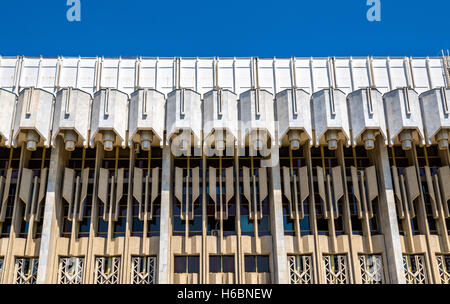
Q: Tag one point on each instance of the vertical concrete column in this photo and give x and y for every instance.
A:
(276, 218)
(240, 255)
(51, 210)
(126, 275)
(388, 216)
(165, 220)
(203, 261)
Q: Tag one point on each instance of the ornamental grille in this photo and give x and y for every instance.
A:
(300, 269)
(70, 270)
(143, 270)
(335, 269)
(25, 270)
(1, 269)
(371, 269)
(443, 262)
(414, 266)
(107, 270)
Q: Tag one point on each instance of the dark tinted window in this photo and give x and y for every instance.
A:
(180, 264)
(228, 263)
(263, 263)
(250, 263)
(214, 264)
(193, 264)
(218, 263)
(196, 224)
(257, 263)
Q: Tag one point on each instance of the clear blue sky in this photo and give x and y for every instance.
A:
(224, 28)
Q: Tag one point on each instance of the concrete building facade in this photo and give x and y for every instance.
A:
(224, 170)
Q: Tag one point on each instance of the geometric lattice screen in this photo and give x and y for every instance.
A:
(414, 266)
(143, 270)
(371, 269)
(25, 270)
(1, 269)
(443, 262)
(70, 270)
(107, 270)
(335, 268)
(300, 269)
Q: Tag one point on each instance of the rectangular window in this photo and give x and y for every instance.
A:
(24, 229)
(195, 226)
(264, 225)
(67, 225)
(288, 224)
(247, 226)
(179, 226)
(154, 224)
(193, 264)
(137, 227)
(322, 226)
(180, 264)
(102, 228)
(187, 264)
(305, 226)
(257, 263)
(215, 264)
(221, 263)
(85, 224)
(119, 226)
